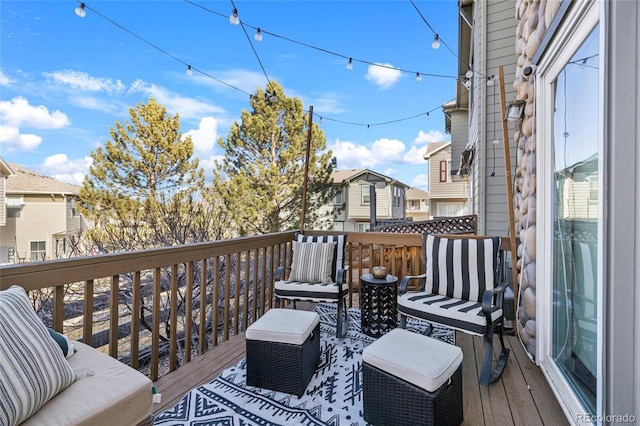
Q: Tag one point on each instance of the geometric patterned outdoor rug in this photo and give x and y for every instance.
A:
(333, 397)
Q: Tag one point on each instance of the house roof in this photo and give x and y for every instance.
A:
(416, 194)
(5, 168)
(435, 147)
(26, 181)
(347, 176)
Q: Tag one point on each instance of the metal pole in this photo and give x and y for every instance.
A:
(508, 178)
(306, 170)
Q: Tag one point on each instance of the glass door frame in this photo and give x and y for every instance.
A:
(577, 25)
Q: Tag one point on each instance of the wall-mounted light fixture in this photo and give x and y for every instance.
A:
(515, 110)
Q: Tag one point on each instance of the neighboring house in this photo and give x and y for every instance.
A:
(474, 119)
(447, 196)
(417, 204)
(576, 185)
(355, 195)
(5, 172)
(41, 217)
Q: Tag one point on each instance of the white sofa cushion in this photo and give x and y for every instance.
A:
(106, 393)
(34, 370)
(423, 361)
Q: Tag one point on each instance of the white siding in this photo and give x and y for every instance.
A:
(3, 208)
(39, 220)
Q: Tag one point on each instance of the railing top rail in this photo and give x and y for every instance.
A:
(51, 273)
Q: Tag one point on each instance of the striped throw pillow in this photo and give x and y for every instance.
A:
(312, 262)
(34, 370)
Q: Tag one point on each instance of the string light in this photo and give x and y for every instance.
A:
(189, 70)
(80, 10)
(418, 77)
(469, 73)
(234, 19)
(273, 96)
(436, 42)
(258, 35)
(491, 80)
(467, 83)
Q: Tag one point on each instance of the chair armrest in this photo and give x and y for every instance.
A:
(487, 298)
(279, 271)
(341, 275)
(405, 280)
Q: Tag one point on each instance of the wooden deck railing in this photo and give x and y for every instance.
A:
(167, 305)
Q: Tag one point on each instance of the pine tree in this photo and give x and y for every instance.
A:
(262, 174)
(142, 182)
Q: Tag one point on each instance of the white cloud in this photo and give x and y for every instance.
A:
(384, 76)
(18, 113)
(5, 80)
(415, 155)
(433, 136)
(109, 105)
(388, 150)
(327, 103)
(11, 138)
(205, 136)
(83, 81)
(60, 167)
(421, 181)
(352, 156)
(188, 108)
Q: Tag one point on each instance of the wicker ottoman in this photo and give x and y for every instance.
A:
(283, 350)
(411, 379)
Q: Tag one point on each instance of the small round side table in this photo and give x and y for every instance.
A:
(379, 311)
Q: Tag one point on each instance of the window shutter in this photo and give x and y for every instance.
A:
(443, 170)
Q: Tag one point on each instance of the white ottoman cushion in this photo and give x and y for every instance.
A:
(284, 326)
(423, 361)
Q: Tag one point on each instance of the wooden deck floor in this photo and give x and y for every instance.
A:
(521, 396)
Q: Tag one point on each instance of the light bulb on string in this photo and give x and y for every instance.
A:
(436, 42)
(467, 84)
(418, 77)
(189, 70)
(258, 35)
(234, 19)
(491, 80)
(80, 10)
(469, 73)
(428, 116)
(350, 64)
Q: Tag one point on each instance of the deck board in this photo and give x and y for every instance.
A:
(521, 396)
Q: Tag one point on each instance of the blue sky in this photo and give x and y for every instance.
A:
(65, 80)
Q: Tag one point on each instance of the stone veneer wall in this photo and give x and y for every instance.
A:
(534, 18)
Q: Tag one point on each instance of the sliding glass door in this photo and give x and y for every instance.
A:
(571, 203)
(576, 217)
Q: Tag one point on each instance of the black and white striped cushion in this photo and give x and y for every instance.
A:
(33, 369)
(339, 253)
(461, 268)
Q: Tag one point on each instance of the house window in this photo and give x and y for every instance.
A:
(364, 226)
(338, 198)
(14, 206)
(443, 170)
(38, 250)
(366, 195)
(338, 226)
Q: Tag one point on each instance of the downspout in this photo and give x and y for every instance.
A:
(482, 176)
